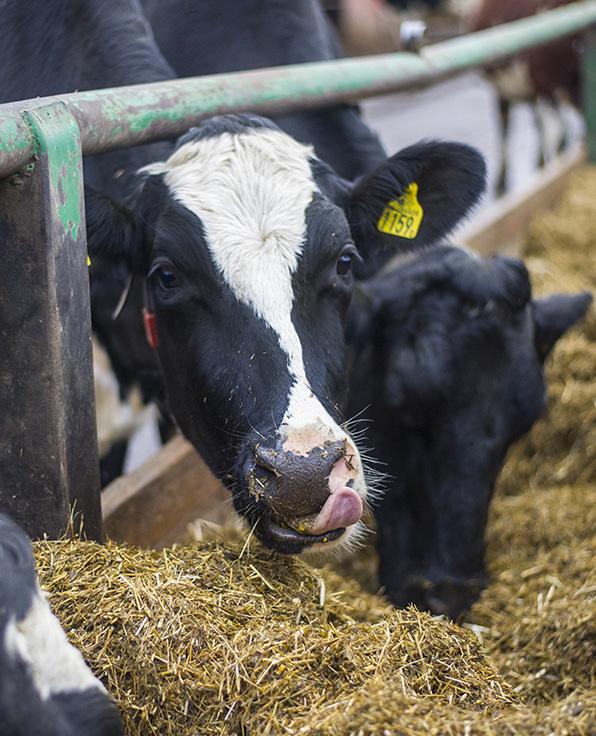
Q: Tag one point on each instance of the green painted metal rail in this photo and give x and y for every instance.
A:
(114, 118)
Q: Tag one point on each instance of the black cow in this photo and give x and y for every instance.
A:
(49, 48)
(228, 36)
(46, 689)
(450, 371)
(245, 239)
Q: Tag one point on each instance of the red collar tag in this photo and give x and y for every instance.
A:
(150, 327)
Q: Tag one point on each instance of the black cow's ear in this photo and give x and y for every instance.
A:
(554, 315)
(416, 197)
(113, 232)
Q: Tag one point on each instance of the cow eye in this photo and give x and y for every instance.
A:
(167, 278)
(344, 262)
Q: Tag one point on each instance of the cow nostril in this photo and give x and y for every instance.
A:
(267, 458)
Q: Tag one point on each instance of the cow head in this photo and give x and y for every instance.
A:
(247, 242)
(453, 373)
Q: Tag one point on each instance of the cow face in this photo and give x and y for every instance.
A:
(245, 239)
(453, 373)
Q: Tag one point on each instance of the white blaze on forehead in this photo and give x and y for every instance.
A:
(251, 191)
(39, 641)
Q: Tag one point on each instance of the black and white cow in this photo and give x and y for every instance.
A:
(70, 46)
(46, 689)
(451, 349)
(246, 238)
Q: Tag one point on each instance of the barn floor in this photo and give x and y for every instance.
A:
(224, 637)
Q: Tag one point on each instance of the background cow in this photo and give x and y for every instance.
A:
(46, 689)
(548, 75)
(449, 373)
(228, 36)
(73, 46)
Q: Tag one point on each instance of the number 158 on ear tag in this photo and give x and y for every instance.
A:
(402, 216)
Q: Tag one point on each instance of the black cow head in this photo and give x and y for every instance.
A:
(247, 242)
(452, 371)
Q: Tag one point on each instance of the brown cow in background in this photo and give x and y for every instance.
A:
(549, 74)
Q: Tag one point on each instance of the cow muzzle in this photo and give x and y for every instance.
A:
(308, 498)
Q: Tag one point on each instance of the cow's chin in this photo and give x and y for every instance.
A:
(284, 539)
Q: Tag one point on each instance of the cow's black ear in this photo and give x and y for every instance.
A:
(554, 315)
(415, 198)
(113, 231)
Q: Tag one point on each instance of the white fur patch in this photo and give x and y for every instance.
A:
(39, 641)
(251, 191)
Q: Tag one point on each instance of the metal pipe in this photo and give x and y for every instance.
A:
(116, 118)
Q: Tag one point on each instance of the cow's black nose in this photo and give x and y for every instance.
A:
(293, 485)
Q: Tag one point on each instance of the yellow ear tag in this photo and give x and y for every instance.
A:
(402, 216)
(88, 261)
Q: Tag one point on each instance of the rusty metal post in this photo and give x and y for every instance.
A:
(48, 446)
(589, 91)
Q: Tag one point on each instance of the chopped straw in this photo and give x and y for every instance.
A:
(224, 637)
(201, 640)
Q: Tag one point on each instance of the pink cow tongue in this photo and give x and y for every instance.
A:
(341, 509)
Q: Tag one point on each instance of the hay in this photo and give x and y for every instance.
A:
(539, 612)
(207, 640)
(563, 239)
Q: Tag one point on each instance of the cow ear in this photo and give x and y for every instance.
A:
(113, 231)
(415, 198)
(554, 315)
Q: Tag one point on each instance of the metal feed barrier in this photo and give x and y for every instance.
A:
(48, 452)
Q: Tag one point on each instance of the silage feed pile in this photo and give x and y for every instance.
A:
(228, 638)
(216, 639)
(538, 615)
